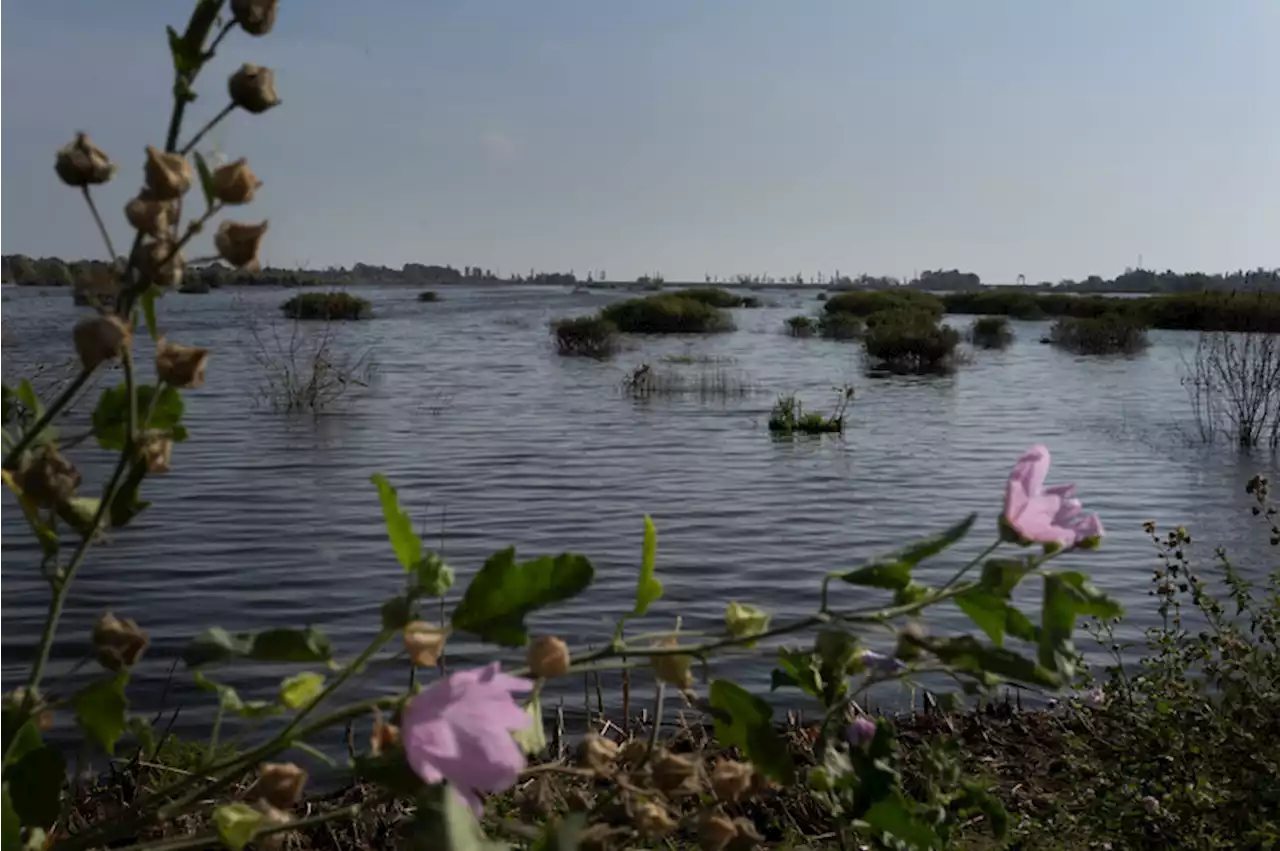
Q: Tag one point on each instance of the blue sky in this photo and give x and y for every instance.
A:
(1006, 137)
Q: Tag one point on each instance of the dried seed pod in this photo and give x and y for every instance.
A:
(101, 339)
(424, 643)
(239, 243)
(253, 88)
(280, 783)
(180, 366)
(653, 821)
(83, 163)
(234, 183)
(47, 477)
(675, 775)
(731, 780)
(256, 17)
(715, 830)
(118, 642)
(155, 448)
(598, 754)
(159, 263)
(548, 657)
(168, 175)
(149, 216)
(674, 669)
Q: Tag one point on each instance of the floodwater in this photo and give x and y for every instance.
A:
(493, 440)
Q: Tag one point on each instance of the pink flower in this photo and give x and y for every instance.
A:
(861, 731)
(1048, 515)
(460, 728)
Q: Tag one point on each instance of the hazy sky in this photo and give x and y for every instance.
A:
(1050, 139)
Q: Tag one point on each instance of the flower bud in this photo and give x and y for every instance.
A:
(385, 736)
(548, 657)
(673, 669)
(156, 451)
(598, 754)
(149, 216)
(118, 642)
(424, 643)
(280, 783)
(100, 339)
(47, 477)
(675, 775)
(256, 17)
(715, 830)
(633, 751)
(180, 366)
(235, 183)
(731, 780)
(861, 731)
(83, 163)
(653, 821)
(239, 243)
(253, 88)
(159, 263)
(168, 175)
(44, 717)
(741, 620)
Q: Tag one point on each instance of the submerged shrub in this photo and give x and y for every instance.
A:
(717, 297)
(1099, 335)
(991, 332)
(910, 342)
(428, 295)
(788, 416)
(841, 326)
(867, 302)
(802, 326)
(667, 314)
(332, 305)
(590, 336)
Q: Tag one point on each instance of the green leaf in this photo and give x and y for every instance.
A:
(503, 592)
(986, 610)
(532, 739)
(744, 720)
(1067, 596)
(206, 182)
(80, 512)
(432, 576)
(237, 823)
(126, 505)
(648, 588)
(980, 798)
(272, 645)
(389, 770)
(300, 689)
(562, 834)
(442, 822)
(797, 669)
(229, 699)
(1001, 575)
(145, 734)
(10, 828)
(406, 544)
(893, 815)
(26, 738)
(100, 709)
(186, 57)
(893, 571)
(27, 396)
(397, 613)
(968, 654)
(150, 294)
(35, 786)
(111, 416)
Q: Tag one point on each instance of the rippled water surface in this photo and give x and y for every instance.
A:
(493, 440)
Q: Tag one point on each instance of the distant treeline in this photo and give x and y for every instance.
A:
(1254, 310)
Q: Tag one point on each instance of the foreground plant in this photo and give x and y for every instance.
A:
(440, 745)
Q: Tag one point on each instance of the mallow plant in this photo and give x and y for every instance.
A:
(450, 741)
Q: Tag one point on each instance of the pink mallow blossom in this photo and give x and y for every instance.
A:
(1047, 515)
(460, 728)
(861, 731)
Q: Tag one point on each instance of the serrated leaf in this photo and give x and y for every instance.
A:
(272, 645)
(111, 416)
(432, 576)
(893, 571)
(503, 592)
(404, 541)
(744, 720)
(35, 786)
(1001, 575)
(100, 709)
(206, 182)
(988, 611)
(968, 654)
(237, 823)
(230, 701)
(186, 58)
(797, 669)
(300, 689)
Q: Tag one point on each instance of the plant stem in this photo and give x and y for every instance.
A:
(979, 557)
(211, 838)
(102, 228)
(209, 125)
(64, 398)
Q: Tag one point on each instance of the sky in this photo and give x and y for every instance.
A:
(689, 137)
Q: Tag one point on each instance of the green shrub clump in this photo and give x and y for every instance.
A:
(667, 314)
(788, 416)
(428, 295)
(717, 297)
(590, 336)
(841, 326)
(802, 326)
(332, 305)
(1099, 335)
(867, 302)
(1201, 311)
(991, 332)
(910, 341)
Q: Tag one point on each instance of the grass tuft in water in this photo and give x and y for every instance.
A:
(1099, 335)
(991, 332)
(587, 336)
(788, 416)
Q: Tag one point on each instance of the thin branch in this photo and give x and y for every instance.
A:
(209, 125)
(102, 228)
